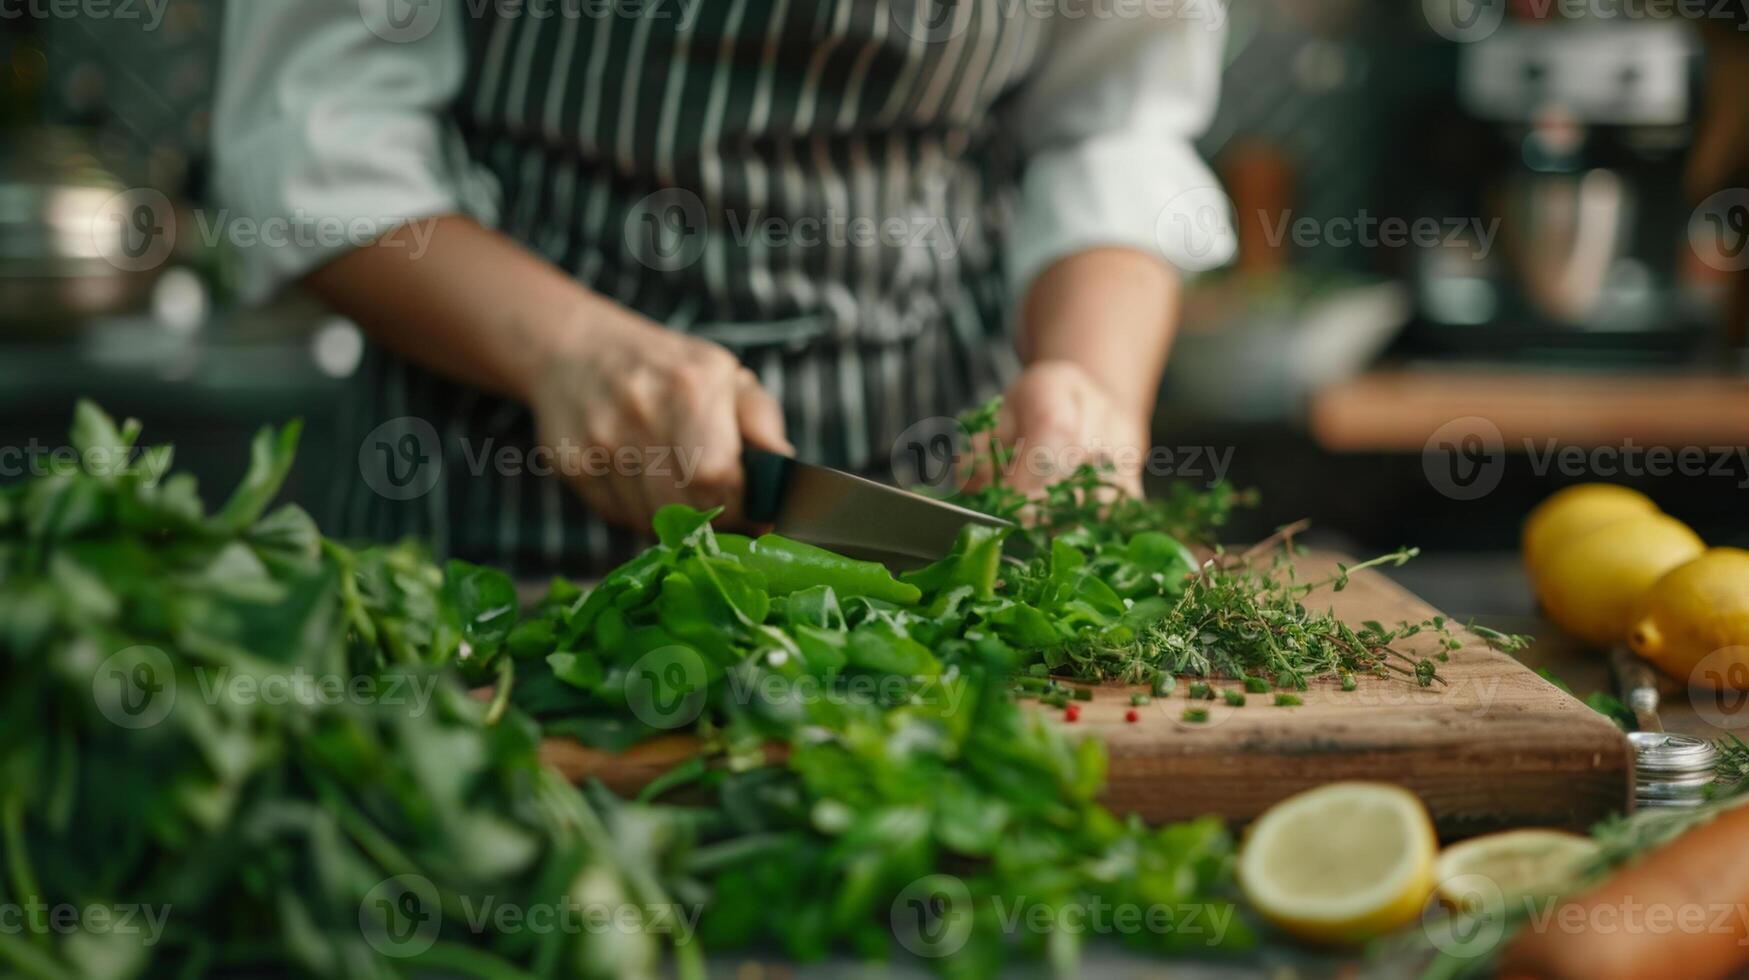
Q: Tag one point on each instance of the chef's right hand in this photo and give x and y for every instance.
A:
(638, 417)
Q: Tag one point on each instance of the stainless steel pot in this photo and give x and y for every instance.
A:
(75, 240)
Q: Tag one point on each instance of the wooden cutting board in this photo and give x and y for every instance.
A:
(1495, 747)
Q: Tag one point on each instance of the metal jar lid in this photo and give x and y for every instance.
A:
(1664, 753)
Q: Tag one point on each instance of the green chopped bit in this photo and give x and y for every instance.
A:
(1198, 691)
(1196, 715)
(1164, 684)
(1286, 700)
(1138, 700)
(1234, 698)
(1256, 685)
(1348, 682)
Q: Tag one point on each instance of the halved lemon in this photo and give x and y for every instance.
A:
(1497, 872)
(1341, 863)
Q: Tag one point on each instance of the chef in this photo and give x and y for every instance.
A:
(614, 241)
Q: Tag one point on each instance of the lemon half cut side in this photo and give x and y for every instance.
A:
(1341, 863)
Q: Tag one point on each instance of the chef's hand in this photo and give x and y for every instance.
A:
(654, 417)
(1056, 417)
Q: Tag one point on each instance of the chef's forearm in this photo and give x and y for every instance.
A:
(469, 303)
(1113, 311)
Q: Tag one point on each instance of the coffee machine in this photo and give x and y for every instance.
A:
(1574, 134)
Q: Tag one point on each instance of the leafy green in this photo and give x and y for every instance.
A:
(246, 734)
(864, 745)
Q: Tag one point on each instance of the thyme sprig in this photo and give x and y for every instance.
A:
(1238, 620)
(1235, 615)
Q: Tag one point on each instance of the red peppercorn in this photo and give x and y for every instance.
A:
(1132, 715)
(1072, 713)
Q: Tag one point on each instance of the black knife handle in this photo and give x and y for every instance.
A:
(767, 482)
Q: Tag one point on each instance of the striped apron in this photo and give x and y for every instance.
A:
(814, 184)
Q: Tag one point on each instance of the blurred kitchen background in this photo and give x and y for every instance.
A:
(1571, 290)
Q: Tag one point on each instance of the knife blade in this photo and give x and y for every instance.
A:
(851, 515)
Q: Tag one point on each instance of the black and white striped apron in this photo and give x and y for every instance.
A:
(814, 184)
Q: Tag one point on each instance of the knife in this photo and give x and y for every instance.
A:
(1638, 686)
(853, 516)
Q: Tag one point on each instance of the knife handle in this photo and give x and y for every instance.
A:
(1635, 680)
(767, 479)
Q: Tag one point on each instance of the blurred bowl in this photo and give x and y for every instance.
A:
(1254, 349)
(67, 249)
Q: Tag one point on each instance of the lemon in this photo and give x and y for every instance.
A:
(1500, 872)
(1694, 611)
(1576, 510)
(1589, 583)
(1341, 863)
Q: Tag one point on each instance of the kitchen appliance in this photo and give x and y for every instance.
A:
(1575, 135)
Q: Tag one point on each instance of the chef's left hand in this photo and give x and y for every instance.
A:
(1056, 416)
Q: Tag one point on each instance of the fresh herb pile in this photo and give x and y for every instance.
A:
(868, 766)
(1240, 617)
(905, 753)
(232, 738)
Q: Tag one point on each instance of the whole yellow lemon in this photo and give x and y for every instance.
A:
(1695, 611)
(1576, 510)
(1590, 583)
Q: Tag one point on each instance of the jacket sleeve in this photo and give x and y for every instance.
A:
(1107, 125)
(329, 129)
